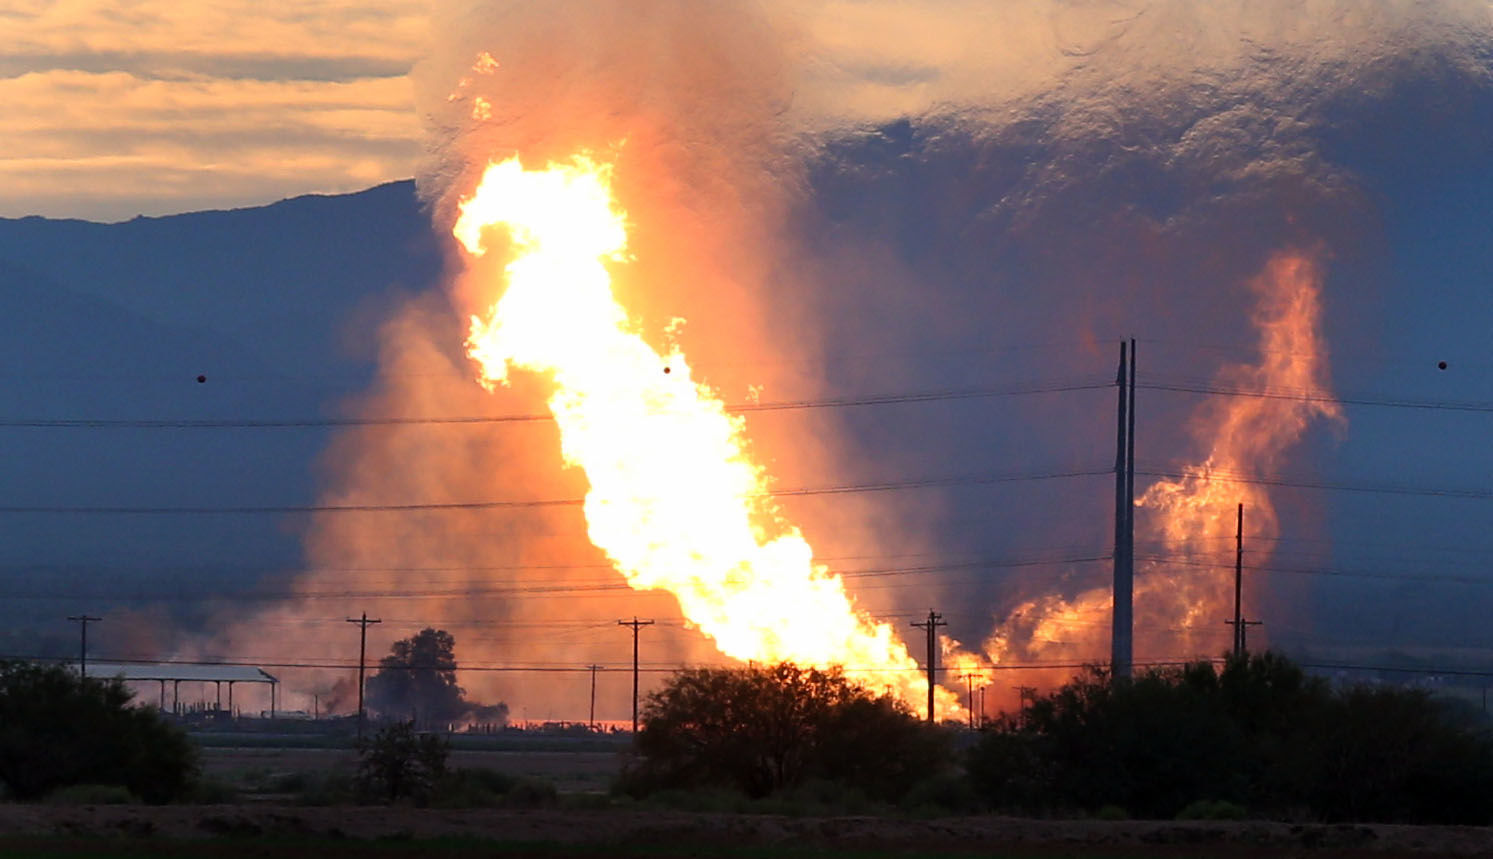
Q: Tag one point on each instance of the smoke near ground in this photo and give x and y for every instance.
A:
(854, 198)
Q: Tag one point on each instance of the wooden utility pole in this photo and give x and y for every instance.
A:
(1122, 617)
(362, 623)
(934, 621)
(84, 620)
(969, 682)
(636, 625)
(1244, 625)
(1023, 695)
(592, 722)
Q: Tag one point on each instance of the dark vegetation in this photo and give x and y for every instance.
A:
(766, 730)
(1255, 737)
(1259, 734)
(59, 731)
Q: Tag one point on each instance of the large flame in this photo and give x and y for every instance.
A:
(1184, 586)
(674, 499)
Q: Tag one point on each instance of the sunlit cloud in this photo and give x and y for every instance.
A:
(117, 109)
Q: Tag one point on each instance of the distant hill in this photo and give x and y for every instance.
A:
(117, 321)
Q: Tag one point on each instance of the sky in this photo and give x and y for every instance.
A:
(114, 109)
(847, 198)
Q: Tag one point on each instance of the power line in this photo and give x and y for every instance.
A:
(552, 668)
(518, 587)
(939, 395)
(1306, 395)
(1228, 476)
(923, 483)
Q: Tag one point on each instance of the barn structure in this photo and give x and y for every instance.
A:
(177, 674)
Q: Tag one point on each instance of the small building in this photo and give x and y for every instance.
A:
(178, 673)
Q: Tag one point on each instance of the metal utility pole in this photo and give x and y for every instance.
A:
(84, 620)
(1239, 623)
(636, 625)
(934, 621)
(1239, 584)
(362, 623)
(1121, 639)
(594, 669)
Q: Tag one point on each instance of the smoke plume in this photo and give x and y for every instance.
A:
(854, 198)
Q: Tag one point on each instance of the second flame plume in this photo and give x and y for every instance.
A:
(1183, 587)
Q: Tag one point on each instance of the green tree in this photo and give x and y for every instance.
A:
(58, 729)
(398, 763)
(417, 680)
(762, 729)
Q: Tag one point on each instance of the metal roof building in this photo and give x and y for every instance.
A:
(178, 673)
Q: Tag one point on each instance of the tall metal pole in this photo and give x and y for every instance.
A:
(362, 623)
(1121, 619)
(83, 648)
(932, 624)
(636, 625)
(1239, 584)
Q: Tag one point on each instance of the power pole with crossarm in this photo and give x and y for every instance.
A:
(636, 625)
(362, 623)
(83, 619)
(934, 621)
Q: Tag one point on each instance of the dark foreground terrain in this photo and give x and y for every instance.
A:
(257, 830)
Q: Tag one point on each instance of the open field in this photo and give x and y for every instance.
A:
(576, 771)
(263, 830)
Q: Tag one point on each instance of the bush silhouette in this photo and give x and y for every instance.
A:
(763, 729)
(58, 729)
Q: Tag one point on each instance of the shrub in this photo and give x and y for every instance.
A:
(398, 763)
(947, 793)
(763, 729)
(1259, 734)
(58, 729)
(1212, 809)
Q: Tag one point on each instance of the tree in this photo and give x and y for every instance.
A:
(398, 762)
(418, 680)
(59, 729)
(762, 729)
(1259, 733)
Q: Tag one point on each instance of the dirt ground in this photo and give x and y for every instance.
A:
(618, 828)
(640, 831)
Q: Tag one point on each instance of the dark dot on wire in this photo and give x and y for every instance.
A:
(1441, 365)
(201, 379)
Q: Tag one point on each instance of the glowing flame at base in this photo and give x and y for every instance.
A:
(674, 500)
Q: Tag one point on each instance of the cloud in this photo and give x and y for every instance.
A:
(114, 110)
(114, 145)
